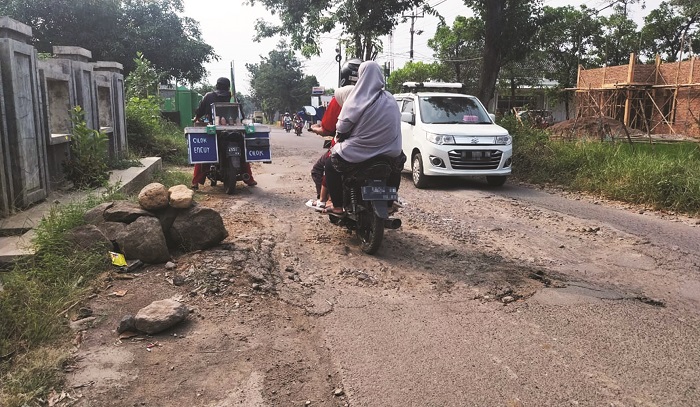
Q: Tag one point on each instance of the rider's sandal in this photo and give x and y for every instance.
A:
(315, 204)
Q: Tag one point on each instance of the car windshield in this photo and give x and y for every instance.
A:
(452, 110)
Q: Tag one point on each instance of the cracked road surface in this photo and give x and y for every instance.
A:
(511, 296)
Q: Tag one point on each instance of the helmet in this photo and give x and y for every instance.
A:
(223, 84)
(348, 72)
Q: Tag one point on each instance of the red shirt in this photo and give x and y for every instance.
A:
(330, 117)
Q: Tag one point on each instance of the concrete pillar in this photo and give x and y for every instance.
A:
(24, 143)
(111, 104)
(5, 191)
(76, 60)
(58, 95)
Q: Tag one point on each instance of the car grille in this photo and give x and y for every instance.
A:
(475, 159)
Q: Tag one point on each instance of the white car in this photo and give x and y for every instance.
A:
(451, 134)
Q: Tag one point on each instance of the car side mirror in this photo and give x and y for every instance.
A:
(493, 117)
(408, 117)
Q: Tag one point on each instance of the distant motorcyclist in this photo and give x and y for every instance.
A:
(287, 121)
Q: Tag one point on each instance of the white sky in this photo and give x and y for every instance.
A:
(228, 26)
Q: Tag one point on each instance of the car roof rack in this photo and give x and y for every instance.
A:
(438, 86)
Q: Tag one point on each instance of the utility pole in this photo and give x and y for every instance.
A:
(338, 58)
(413, 22)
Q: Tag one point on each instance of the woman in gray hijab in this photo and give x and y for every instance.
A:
(369, 125)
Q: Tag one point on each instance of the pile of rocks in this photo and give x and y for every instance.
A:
(163, 220)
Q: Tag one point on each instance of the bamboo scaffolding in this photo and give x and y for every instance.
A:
(644, 106)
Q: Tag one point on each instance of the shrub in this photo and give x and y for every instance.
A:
(151, 135)
(87, 166)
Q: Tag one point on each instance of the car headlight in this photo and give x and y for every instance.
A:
(503, 140)
(440, 138)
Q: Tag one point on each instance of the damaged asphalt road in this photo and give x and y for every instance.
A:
(484, 297)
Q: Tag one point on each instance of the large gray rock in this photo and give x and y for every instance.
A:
(197, 228)
(160, 315)
(88, 237)
(125, 212)
(112, 229)
(167, 217)
(153, 196)
(95, 216)
(181, 196)
(143, 239)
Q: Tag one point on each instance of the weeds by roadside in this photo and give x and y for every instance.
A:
(37, 296)
(662, 176)
(170, 176)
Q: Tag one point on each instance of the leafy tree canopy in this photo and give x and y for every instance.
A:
(277, 82)
(115, 30)
(416, 72)
(670, 29)
(362, 21)
(460, 48)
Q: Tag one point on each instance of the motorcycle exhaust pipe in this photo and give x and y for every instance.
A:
(245, 176)
(392, 223)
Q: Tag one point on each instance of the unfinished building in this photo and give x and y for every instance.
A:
(658, 98)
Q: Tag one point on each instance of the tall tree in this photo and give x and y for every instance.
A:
(363, 21)
(277, 82)
(620, 37)
(115, 30)
(669, 30)
(509, 26)
(459, 48)
(566, 41)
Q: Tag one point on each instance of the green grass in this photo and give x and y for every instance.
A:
(150, 135)
(661, 176)
(172, 175)
(36, 301)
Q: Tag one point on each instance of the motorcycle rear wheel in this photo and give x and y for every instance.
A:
(231, 178)
(370, 230)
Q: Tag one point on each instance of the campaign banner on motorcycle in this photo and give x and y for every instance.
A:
(201, 147)
(258, 150)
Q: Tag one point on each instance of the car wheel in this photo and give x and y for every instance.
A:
(420, 180)
(496, 180)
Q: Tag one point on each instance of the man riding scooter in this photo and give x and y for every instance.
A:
(287, 121)
(221, 93)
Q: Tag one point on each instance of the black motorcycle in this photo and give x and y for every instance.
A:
(229, 169)
(287, 124)
(368, 200)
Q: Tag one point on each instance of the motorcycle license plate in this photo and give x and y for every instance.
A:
(233, 151)
(379, 193)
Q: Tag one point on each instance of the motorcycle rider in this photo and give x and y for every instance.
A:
(287, 121)
(348, 78)
(221, 93)
(369, 125)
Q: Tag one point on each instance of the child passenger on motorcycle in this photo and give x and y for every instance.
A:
(369, 125)
(221, 93)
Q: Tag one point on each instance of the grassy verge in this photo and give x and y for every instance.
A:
(661, 176)
(173, 175)
(150, 135)
(35, 304)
